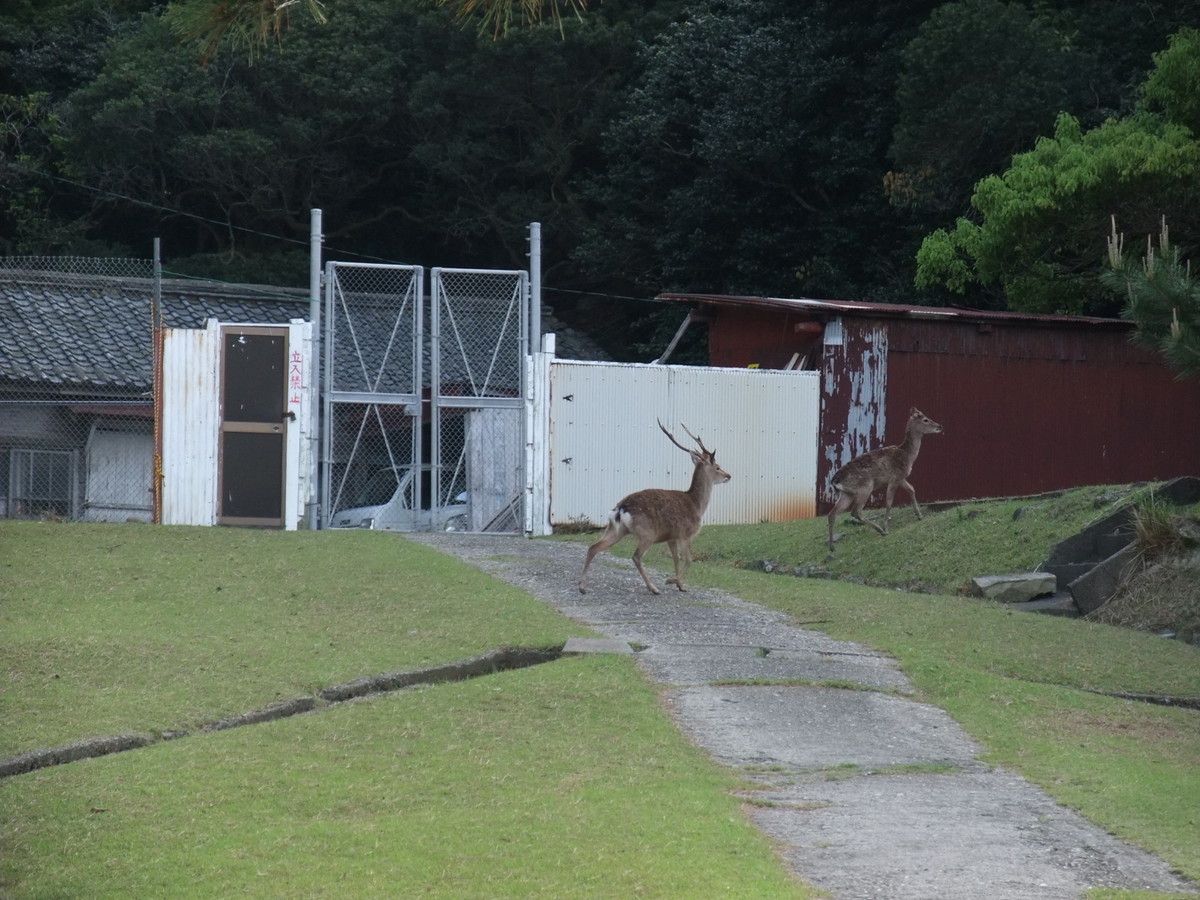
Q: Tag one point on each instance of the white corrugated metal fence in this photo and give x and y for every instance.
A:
(604, 441)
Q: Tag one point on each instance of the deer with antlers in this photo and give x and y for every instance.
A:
(655, 516)
(887, 467)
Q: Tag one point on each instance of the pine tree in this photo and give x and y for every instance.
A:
(1161, 298)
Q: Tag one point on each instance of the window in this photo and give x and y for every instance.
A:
(41, 484)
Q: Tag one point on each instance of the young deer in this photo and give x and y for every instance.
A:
(655, 515)
(886, 467)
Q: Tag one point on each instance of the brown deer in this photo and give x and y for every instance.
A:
(655, 515)
(887, 467)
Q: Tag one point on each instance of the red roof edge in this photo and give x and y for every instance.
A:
(831, 308)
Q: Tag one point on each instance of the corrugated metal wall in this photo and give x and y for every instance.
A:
(191, 423)
(1029, 403)
(191, 411)
(1026, 408)
(1036, 409)
(605, 443)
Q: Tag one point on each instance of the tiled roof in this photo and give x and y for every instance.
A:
(88, 335)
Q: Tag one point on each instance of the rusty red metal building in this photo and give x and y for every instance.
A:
(1029, 403)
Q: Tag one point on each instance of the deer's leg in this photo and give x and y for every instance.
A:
(888, 496)
(644, 544)
(856, 506)
(611, 535)
(912, 493)
(840, 506)
(680, 549)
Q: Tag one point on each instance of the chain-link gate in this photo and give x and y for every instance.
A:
(424, 428)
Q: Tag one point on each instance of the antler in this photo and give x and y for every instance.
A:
(698, 441)
(687, 450)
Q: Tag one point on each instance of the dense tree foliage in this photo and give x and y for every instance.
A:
(748, 156)
(979, 82)
(741, 146)
(1040, 229)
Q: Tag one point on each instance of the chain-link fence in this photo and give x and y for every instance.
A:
(480, 330)
(425, 398)
(77, 376)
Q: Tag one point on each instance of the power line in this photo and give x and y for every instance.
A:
(113, 195)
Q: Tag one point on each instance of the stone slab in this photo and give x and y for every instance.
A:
(967, 836)
(1016, 588)
(806, 728)
(596, 645)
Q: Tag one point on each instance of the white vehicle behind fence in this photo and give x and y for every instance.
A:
(388, 502)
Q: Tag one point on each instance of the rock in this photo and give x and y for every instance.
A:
(1014, 588)
(811, 572)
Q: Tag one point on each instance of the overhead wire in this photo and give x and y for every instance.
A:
(266, 234)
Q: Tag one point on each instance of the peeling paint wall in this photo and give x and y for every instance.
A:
(854, 382)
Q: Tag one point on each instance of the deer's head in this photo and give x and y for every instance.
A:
(921, 423)
(703, 458)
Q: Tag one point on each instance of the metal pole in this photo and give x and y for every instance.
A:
(314, 366)
(156, 327)
(535, 286)
(532, 441)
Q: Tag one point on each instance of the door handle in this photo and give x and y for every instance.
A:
(289, 415)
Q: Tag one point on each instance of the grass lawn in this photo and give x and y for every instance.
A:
(109, 629)
(564, 780)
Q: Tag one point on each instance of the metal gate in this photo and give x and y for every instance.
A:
(425, 402)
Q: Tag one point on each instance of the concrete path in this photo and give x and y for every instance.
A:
(868, 793)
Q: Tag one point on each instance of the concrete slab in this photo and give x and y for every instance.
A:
(706, 664)
(970, 836)
(807, 728)
(596, 645)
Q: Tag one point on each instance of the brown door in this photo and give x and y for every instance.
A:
(253, 426)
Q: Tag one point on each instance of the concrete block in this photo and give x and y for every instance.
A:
(1014, 588)
(1097, 587)
(596, 645)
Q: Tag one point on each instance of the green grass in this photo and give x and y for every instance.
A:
(940, 552)
(114, 629)
(564, 780)
(560, 781)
